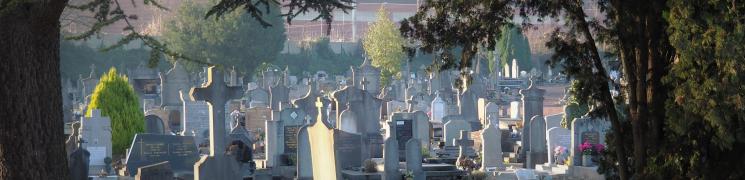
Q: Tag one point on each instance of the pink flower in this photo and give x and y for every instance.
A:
(599, 148)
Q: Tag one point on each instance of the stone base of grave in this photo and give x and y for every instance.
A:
(552, 168)
(581, 172)
(359, 175)
(221, 167)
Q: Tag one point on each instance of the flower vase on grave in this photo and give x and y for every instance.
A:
(587, 160)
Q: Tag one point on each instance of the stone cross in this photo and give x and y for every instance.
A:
(216, 93)
(364, 83)
(463, 143)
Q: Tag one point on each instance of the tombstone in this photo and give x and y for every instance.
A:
(467, 104)
(557, 136)
(438, 108)
(78, 163)
(349, 146)
(491, 149)
(154, 125)
(391, 154)
(256, 117)
(515, 110)
(515, 69)
(592, 130)
(538, 150)
(279, 95)
(395, 106)
(452, 129)
(281, 137)
(145, 82)
(146, 149)
(526, 174)
(307, 104)
(368, 111)
(348, 122)
(532, 98)
(369, 76)
(258, 98)
(241, 147)
(72, 142)
(89, 84)
(491, 109)
(304, 160)
(554, 120)
(464, 143)
(96, 136)
(156, 171)
(172, 82)
(323, 155)
(215, 92)
(414, 159)
(411, 125)
(196, 118)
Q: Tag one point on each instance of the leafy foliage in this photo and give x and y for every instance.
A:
(116, 99)
(706, 111)
(513, 45)
(324, 8)
(317, 55)
(108, 12)
(235, 39)
(384, 45)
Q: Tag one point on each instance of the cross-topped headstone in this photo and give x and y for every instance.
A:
(216, 93)
(463, 143)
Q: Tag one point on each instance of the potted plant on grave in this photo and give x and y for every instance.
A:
(589, 151)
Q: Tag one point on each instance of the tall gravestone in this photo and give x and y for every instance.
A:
(538, 149)
(321, 140)
(156, 171)
(414, 159)
(491, 149)
(585, 129)
(411, 125)
(391, 154)
(281, 136)
(554, 120)
(196, 118)
(367, 108)
(532, 98)
(215, 92)
(438, 109)
(96, 136)
(467, 103)
(557, 136)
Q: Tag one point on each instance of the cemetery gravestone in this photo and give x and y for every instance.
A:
(154, 125)
(464, 143)
(587, 129)
(180, 151)
(390, 154)
(557, 136)
(196, 118)
(414, 159)
(491, 148)
(96, 136)
(453, 127)
(217, 94)
(304, 160)
(348, 145)
(156, 171)
(439, 109)
(532, 98)
(553, 121)
(538, 151)
(321, 140)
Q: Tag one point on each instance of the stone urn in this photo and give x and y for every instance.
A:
(587, 160)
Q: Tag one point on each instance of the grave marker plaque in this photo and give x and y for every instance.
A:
(291, 139)
(404, 132)
(590, 136)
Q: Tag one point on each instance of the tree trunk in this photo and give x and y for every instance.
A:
(327, 27)
(31, 127)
